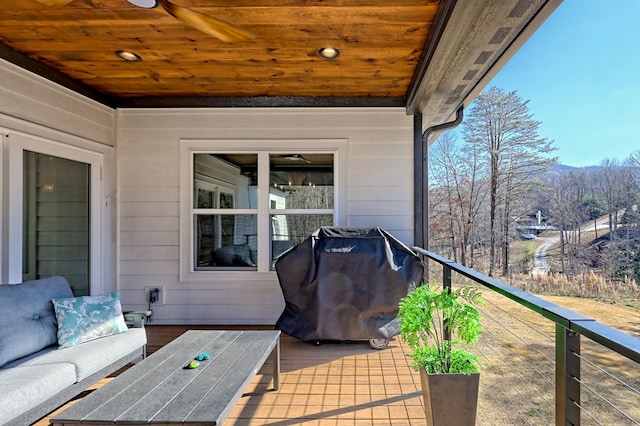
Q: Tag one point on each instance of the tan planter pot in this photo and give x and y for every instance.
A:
(450, 399)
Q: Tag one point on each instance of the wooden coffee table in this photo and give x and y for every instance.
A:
(161, 390)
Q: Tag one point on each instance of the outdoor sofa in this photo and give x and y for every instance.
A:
(53, 345)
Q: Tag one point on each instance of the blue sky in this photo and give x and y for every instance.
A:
(581, 75)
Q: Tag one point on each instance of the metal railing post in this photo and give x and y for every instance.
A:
(446, 278)
(567, 376)
(446, 286)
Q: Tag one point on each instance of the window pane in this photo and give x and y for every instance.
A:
(299, 181)
(56, 220)
(225, 181)
(289, 230)
(225, 241)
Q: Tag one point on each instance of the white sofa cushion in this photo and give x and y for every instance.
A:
(25, 387)
(90, 357)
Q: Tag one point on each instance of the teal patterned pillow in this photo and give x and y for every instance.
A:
(85, 318)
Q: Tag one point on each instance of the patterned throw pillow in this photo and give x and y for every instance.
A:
(85, 318)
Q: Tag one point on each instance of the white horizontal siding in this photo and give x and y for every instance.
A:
(209, 304)
(159, 194)
(377, 190)
(230, 296)
(28, 100)
(156, 223)
(149, 209)
(230, 280)
(146, 267)
(373, 208)
(381, 179)
(146, 253)
(388, 222)
(213, 313)
(149, 238)
(163, 159)
(135, 284)
(390, 193)
(144, 179)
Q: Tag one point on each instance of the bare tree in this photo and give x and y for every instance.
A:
(610, 180)
(502, 128)
(456, 173)
(563, 203)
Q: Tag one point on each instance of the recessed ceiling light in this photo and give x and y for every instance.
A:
(128, 56)
(147, 4)
(329, 52)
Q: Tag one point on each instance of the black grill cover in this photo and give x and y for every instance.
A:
(345, 284)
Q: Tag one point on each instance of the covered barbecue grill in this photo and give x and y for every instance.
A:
(345, 284)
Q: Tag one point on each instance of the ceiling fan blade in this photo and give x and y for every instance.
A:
(301, 158)
(293, 157)
(205, 23)
(54, 2)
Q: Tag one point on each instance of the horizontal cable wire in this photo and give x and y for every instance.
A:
(583, 410)
(547, 337)
(510, 385)
(606, 401)
(608, 374)
(525, 344)
(525, 417)
(615, 379)
(497, 341)
(503, 385)
(523, 323)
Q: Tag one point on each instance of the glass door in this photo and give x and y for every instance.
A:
(56, 220)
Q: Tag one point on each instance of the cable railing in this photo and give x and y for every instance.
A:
(546, 364)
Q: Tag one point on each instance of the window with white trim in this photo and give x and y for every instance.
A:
(247, 208)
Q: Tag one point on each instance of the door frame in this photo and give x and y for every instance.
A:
(14, 146)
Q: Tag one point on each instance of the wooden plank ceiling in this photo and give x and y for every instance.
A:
(381, 44)
(428, 56)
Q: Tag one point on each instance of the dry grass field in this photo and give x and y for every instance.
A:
(518, 352)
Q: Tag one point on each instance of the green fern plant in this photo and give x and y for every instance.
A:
(428, 314)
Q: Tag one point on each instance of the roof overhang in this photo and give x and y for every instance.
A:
(459, 64)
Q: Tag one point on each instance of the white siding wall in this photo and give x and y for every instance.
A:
(34, 107)
(377, 192)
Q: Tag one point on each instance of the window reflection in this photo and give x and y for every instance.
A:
(226, 181)
(226, 241)
(223, 182)
(301, 181)
(287, 230)
(56, 220)
(226, 207)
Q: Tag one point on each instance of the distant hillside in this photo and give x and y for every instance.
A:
(562, 169)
